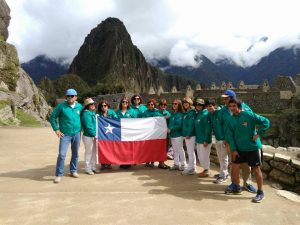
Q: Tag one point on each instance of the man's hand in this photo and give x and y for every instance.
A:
(188, 137)
(168, 131)
(205, 144)
(234, 155)
(254, 138)
(59, 134)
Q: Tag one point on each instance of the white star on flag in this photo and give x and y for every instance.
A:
(109, 129)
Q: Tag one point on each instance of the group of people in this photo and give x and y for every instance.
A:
(237, 130)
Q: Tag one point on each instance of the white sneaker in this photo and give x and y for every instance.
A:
(90, 173)
(188, 172)
(57, 180)
(175, 167)
(75, 175)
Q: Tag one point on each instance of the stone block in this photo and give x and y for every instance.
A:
(268, 156)
(281, 149)
(293, 149)
(266, 167)
(265, 176)
(296, 164)
(268, 148)
(284, 167)
(297, 176)
(282, 158)
(282, 177)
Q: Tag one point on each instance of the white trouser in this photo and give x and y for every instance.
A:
(223, 158)
(203, 155)
(90, 153)
(190, 147)
(179, 154)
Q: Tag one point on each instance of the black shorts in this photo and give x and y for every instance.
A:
(253, 158)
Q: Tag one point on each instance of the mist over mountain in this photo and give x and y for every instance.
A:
(42, 66)
(281, 61)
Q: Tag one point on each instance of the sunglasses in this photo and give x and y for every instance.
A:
(124, 101)
(163, 104)
(174, 103)
(150, 104)
(103, 106)
(199, 104)
(70, 96)
(137, 98)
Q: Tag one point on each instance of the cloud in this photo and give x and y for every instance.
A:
(173, 29)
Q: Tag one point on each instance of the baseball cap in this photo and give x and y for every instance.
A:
(228, 93)
(71, 92)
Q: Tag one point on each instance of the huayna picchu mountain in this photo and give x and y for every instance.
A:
(108, 57)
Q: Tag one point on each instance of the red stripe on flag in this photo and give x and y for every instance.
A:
(131, 152)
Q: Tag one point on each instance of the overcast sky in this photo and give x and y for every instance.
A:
(174, 29)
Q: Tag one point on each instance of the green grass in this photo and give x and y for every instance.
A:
(3, 104)
(26, 119)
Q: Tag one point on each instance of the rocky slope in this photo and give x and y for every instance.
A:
(109, 57)
(20, 99)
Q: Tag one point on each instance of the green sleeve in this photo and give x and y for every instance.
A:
(263, 122)
(55, 114)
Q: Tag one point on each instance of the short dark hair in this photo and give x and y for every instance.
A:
(236, 101)
(152, 100)
(210, 102)
(134, 96)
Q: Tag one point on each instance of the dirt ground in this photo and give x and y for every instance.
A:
(137, 196)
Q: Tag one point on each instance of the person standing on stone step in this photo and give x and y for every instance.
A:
(67, 130)
(244, 141)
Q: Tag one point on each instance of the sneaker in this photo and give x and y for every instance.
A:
(57, 180)
(233, 189)
(188, 172)
(90, 172)
(220, 180)
(175, 167)
(259, 196)
(74, 174)
(182, 167)
(250, 188)
(204, 173)
(216, 176)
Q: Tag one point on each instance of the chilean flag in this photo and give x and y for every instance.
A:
(131, 140)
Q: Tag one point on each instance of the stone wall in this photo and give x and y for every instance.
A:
(277, 167)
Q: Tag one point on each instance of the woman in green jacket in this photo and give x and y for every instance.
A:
(203, 136)
(137, 106)
(88, 122)
(153, 112)
(125, 112)
(105, 111)
(174, 131)
(188, 133)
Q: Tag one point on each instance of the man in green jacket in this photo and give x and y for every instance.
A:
(68, 130)
(224, 116)
(245, 144)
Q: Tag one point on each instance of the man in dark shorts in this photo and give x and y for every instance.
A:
(245, 144)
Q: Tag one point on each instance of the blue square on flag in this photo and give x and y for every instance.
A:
(109, 129)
